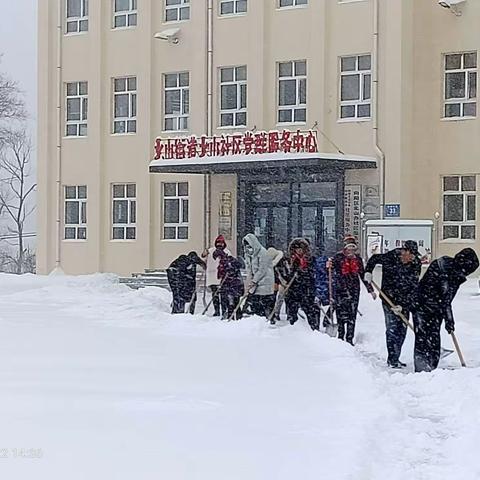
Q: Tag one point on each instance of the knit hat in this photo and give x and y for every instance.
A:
(220, 239)
(349, 241)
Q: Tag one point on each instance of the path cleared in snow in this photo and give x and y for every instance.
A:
(110, 386)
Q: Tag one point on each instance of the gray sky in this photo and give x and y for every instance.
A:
(18, 44)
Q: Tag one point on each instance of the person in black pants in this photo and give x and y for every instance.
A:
(182, 278)
(433, 304)
(301, 293)
(348, 270)
(401, 269)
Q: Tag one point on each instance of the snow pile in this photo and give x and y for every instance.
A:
(110, 386)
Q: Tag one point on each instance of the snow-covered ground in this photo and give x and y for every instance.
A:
(103, 384)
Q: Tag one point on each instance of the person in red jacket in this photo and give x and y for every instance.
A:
(348, 270)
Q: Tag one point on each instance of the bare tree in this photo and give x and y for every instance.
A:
(16, 187)
(12, 104)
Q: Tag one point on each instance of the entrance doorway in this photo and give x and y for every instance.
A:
(277, 213)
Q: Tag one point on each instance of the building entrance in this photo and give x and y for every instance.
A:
(277, 213)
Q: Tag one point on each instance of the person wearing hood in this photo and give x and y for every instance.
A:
(302, 290)
(182, 278)
(279, 263)
(401, 269)
(213, 280)
(348, 270)
(260, 276)
(435, 294)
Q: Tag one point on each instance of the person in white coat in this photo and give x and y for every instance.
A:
(213, 282)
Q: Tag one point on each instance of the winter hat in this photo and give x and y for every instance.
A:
(466, 261)
(411, 246)
(350, 241)
(220, 240)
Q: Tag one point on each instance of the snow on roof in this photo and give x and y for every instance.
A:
(259, 158)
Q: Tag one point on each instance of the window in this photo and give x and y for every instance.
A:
(233, 96)
(76, 109)
(175, 211)
(460, 85)
(125, 105)
(177, 101)
(177, 10)
(291, 3)
(124, 13)
(292, 92)
(77, 16)
(233, 7)
(355, 86)
(76, 212)
(459, 207)
(124, 211)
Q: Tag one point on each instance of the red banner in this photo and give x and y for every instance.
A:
(237, 144)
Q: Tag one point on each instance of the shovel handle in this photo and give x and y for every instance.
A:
(457, 348)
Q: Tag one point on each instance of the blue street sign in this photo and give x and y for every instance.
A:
(392, 210)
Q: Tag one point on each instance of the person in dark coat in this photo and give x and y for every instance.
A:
(301, 293)
(435, 294)
(182, 278)
(400, 274)
(348, 270)
(232, 288)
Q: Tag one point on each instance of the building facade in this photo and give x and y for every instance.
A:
(279, 117)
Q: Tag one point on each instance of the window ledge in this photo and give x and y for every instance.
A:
(239, 127)
(457, 119)
(174, 22)
(292, 7)
(71, 240)
(116, 29)
(457, 240)
(131, 134)
(74, 34)
(118, 240)
(175, 132)
(75, 137)
(232, 15)
(166, 240)
(354, 120)
(291, 124)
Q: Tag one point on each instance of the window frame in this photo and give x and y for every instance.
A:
(464, 100)
(362, 101)
(83, 98)
(81, 211)
(78, 20)
(131, 207)
(464, 222)
(131, 12)
(235, 12)
(239, 109)
(295, 4)
(181, 223)
(132, 106)
(298, 104)
(180, 118)
(184, 4)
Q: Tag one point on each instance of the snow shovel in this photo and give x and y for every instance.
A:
(289, 284)
(331, 327)
(205, 310)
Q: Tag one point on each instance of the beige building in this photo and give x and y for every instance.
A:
(278, 117)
